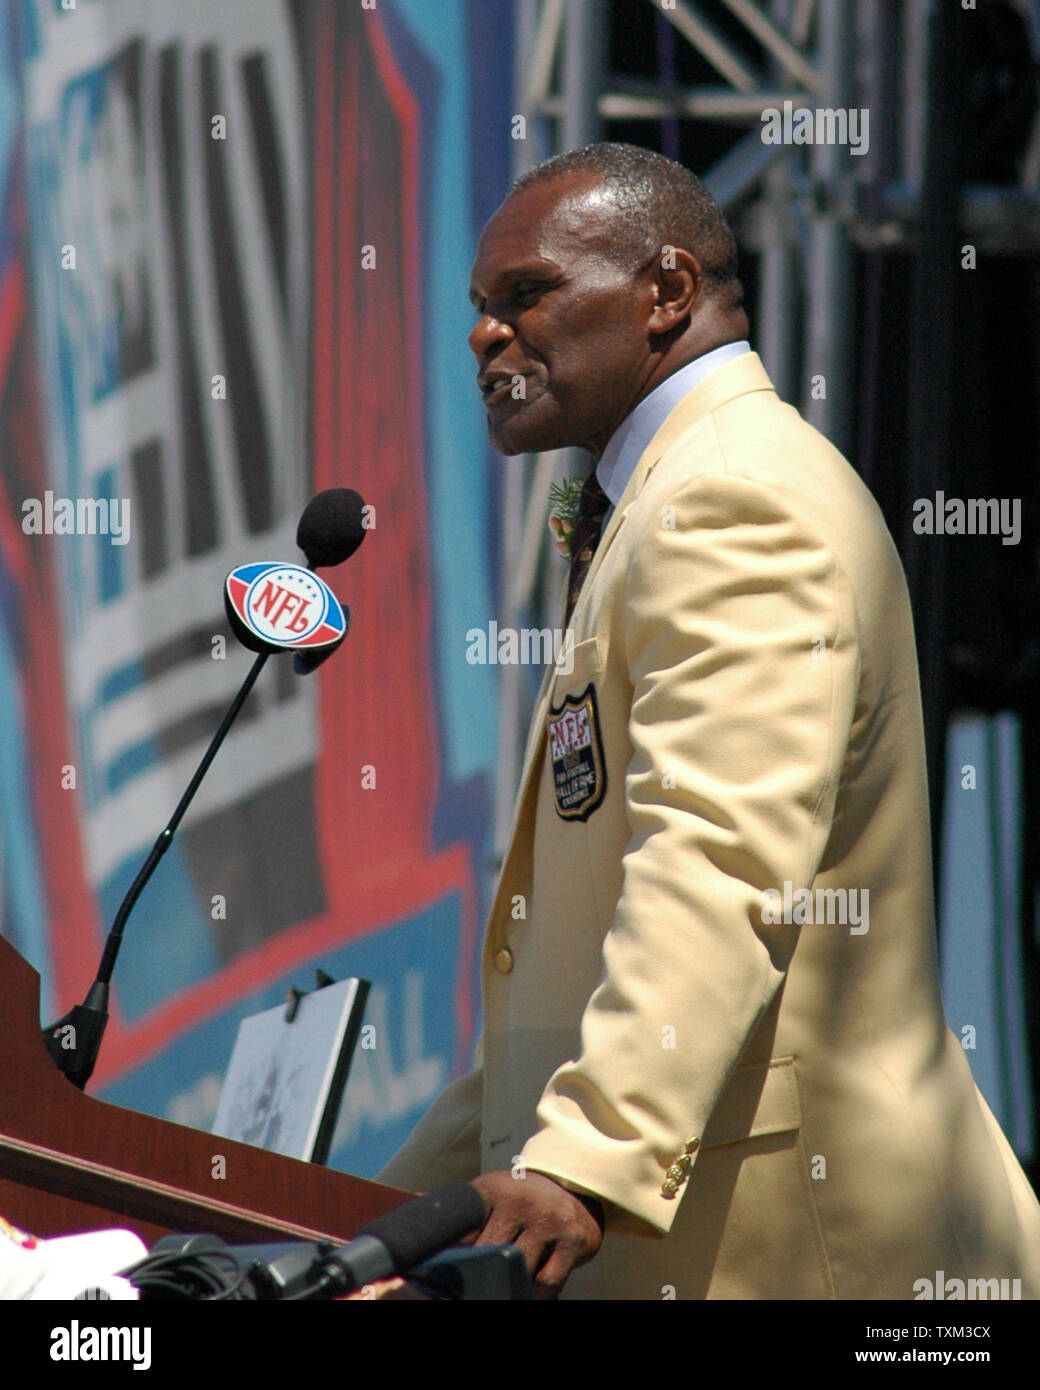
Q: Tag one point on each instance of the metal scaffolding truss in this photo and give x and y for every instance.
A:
(799, 209)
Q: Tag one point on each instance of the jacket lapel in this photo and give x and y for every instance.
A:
(736, 378)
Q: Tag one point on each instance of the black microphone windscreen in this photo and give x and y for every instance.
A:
(331, 527)
(419, 1229)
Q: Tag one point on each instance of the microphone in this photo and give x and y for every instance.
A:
(331, 527)
(402, 1238)
(267, 605)
(400, 1242)
(391, 1244)
(295, 611)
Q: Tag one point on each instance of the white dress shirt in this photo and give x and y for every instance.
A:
(628, 442)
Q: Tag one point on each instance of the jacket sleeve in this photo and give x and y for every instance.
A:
(445, 1145)
(740, 648)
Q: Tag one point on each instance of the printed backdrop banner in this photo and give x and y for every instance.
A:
(233, 273)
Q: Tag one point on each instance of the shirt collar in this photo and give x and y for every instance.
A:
(631, 438)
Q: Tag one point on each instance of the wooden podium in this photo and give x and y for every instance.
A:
(69, 1163)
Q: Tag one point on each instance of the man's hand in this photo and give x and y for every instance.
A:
(553, 1227)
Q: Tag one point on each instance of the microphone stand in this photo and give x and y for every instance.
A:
(74, 1040)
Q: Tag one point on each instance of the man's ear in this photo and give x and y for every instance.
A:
(678, 281)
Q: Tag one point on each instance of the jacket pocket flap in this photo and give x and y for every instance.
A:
(578, 664)
(760, 1099)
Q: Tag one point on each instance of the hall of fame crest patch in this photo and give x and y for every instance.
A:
(576, 749)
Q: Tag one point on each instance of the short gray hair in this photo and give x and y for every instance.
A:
(659, 203)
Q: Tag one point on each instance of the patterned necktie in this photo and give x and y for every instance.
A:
(592, 507)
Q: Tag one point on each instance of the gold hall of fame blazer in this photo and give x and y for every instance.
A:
(768, 1108)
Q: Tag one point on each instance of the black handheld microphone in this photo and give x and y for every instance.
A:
(397, 1242)
(401, 1242)
(391, 1244)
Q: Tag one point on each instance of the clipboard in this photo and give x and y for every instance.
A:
(289, 1068)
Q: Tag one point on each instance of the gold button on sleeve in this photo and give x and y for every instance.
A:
(504, 960)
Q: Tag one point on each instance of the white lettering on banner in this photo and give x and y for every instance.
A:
(379, 1091)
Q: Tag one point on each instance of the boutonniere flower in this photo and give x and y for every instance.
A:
(564, 499)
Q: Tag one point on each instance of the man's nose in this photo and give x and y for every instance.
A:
(488, 331)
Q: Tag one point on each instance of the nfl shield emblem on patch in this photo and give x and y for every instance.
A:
(576, 749)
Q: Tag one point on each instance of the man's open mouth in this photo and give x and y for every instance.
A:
(501, 388)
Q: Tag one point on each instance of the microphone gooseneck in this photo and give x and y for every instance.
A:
(329, 532)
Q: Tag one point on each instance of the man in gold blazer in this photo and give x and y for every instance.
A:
(713, 1033)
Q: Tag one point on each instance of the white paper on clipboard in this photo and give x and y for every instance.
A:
(285, 1080)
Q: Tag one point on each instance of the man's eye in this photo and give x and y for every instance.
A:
(523, 294)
